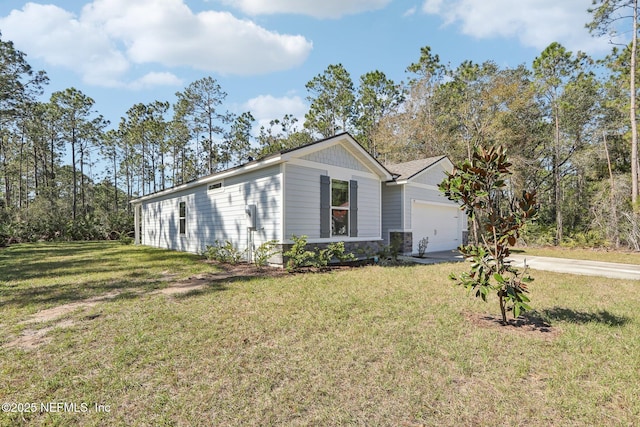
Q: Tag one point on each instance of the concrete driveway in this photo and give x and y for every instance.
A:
(560, 265)
(573, 266)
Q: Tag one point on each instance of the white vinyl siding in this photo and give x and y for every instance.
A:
(218, 215)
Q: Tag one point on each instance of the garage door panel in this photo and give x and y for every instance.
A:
(441, 224)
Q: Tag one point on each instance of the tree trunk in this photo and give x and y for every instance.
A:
(20, 164)
(556, 180)
(115, 179)
(7, 184)
(612, 196)
(74, 203)
(82, 185)
(632, 110)
(35, 168)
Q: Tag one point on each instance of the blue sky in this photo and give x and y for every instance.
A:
(263, 52)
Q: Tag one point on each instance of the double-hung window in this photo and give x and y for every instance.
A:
(183, 217)
(339, 207)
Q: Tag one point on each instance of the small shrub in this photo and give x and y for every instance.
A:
(125, 239)
(422, 246)
(588, 239)
(224, 252)
(368, 252)
(265, 251)
(395, 245)
(333, 251)
(299, 256)
(338, 252)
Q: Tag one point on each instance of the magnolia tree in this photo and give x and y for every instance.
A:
(496, 218)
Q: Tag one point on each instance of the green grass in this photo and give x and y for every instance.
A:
(625, 257)
(367, 346)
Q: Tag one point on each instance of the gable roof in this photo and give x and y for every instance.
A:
(407, 170)
(349, 143)
(345, 138)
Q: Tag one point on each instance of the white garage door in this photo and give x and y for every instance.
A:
(441, 224)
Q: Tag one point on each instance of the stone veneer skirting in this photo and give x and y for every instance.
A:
(403, 240)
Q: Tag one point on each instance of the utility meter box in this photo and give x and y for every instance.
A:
(251, 219)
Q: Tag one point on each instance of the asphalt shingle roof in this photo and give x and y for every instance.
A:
(407, 170)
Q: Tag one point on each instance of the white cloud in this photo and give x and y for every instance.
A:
(110, 35)
(267, 107)
(410, 12)
(155, 79)
(315, 8)
(536, 23)
(55, 35)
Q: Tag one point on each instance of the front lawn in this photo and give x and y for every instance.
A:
(138, 336)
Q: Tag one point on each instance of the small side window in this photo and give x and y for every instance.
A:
(183, 217)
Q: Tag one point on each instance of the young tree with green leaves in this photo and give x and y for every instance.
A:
(480, 187)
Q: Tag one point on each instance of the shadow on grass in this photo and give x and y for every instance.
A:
(210, 287)
(530, 321)
(80, 271)
(573, 316)
(544, 320)
(33, 261)
(68, 293)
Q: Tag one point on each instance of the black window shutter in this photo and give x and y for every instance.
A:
(325, 206)
(353, 208)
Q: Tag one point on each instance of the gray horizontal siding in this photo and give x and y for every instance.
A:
(432, 176)
(302, 201)
(336, 155)
(368, 207)
(391, 210)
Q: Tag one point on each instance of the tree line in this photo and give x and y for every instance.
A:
(567, 120)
